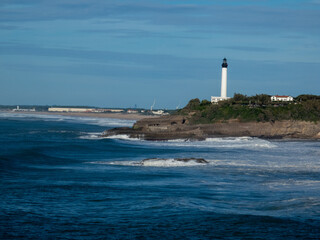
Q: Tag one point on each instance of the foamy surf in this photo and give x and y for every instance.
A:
(123, 137)
(227, 142)
(162, 162)
(243, 165)
(92, 136)
(172, 162)
(220, 165)
(99, 136)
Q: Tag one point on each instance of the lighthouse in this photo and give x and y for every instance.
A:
(224, 78)
(223, 83)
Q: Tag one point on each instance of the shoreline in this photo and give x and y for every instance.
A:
(125, 116)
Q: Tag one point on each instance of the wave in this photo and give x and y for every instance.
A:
(98, 136)
(184, 162)
(91, 136)
(104, 122)
(172, 162)
(243, 165)
(158, 162)
(226, 142)
(124, 137)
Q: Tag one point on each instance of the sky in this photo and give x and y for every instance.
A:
(127, 53)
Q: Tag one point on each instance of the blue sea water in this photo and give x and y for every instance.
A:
(59, 180)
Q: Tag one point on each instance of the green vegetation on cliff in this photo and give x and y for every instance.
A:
(257, 108)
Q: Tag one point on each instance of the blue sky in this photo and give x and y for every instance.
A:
(113, 53)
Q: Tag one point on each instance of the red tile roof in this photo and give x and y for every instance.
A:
(281, 96)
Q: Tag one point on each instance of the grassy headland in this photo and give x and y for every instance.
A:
(258, 108)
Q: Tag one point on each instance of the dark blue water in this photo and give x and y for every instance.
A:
(59, 181)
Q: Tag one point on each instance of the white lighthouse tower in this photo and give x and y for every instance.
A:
(223, 83)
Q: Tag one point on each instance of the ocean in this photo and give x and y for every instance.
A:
(59, 180)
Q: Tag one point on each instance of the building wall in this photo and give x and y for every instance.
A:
(218, 99)
(70, 109)
(115, 110)
(282, 98)
(224, 83)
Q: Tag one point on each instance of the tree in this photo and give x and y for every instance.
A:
(193, 104)
(237, 97)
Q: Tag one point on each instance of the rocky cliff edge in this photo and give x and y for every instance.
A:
(178, 127)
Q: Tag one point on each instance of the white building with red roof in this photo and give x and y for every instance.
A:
(277, 98)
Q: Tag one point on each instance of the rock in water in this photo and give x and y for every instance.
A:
(197, 160)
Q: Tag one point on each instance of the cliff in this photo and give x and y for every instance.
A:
(179, 127)
(255, 116)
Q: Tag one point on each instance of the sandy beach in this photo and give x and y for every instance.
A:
(128, 116)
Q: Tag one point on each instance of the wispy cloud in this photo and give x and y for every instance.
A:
(108, 63)
(232, 17)
(249, 48)
(9, 27)
(315, 2)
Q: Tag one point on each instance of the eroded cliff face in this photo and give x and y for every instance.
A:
(178, 127)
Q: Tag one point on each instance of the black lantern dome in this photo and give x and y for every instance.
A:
(224, 64)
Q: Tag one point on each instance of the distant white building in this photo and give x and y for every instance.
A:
(70, 109)
(132, 111)
(112, 110)
(218, 99)
(116, 110)
(18, 109)
(277, 98)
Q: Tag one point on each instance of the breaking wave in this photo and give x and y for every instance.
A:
(226, 142)
(245, 166)
(156, 162)
(98, 136)
(91, 136)
(124, 137)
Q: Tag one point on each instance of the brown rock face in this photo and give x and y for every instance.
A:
(178, 127)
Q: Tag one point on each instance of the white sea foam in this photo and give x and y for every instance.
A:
(227, 142)
(104, 122)
(255, 166)
(247, 167)
(99, 136)
(158, 163)
(123, 137)
(91, 136)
